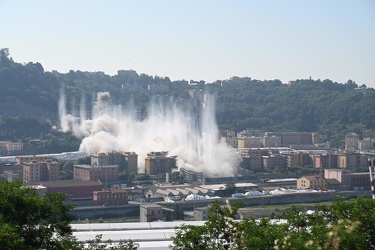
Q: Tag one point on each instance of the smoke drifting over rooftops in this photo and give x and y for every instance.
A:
(112, 128)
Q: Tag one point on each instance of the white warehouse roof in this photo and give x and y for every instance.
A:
(149, 235)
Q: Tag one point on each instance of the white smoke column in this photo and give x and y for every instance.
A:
(66, 120)
(195, 144)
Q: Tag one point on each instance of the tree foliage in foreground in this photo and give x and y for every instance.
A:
(29, 222)
(342, 225)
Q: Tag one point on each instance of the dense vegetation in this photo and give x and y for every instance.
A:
(342, 225)
(330, 108)
(30, 222)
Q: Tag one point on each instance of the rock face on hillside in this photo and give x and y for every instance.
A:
(13, 107)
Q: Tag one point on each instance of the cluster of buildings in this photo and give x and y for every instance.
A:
(336, 179)
(259, 139)
(262, 151)
(89, 181)
(263, 159)
(353, 142)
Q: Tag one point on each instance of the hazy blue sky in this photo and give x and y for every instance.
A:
(200, 40)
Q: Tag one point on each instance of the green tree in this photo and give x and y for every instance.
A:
(341, 225)
(30, 222)
(98, 244)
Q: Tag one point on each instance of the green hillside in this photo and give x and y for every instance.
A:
(328, 107)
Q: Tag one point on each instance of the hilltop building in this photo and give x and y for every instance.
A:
(9, 146)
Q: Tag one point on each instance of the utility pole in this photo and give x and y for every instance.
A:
(371, 163)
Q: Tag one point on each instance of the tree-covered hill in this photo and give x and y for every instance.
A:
(327, 107)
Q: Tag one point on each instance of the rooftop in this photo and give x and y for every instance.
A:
(92, 166)
(72, 183)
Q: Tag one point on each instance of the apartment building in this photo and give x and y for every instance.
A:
(159, 163)
(94, 173)
(366, 144)
(127, 161)
(274, 161)
(325, 160)
(352, 160)
(229, 137)
(11, 146)
(298, 159)
(351, 141)
(35, 171)
(250, 142)
(296, 138)
(271, 141)
(342, 175)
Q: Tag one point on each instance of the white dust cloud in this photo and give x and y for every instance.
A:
(171, 129)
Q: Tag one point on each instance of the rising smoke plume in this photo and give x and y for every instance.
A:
(111, 128)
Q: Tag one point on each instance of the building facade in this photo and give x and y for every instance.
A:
(351, 141)
(114, 196)
(274, 161)
(40, 171)
(150, 212)
(127, 161)
(342, 175)
(312, 182)
(250, 142)
(296, 138)
(325, 160)
(93, 173)
(11, 146)
(159, 163)
(298, 159)
(271, 141)
(352, 160)
(73, 188)
(360, 181)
